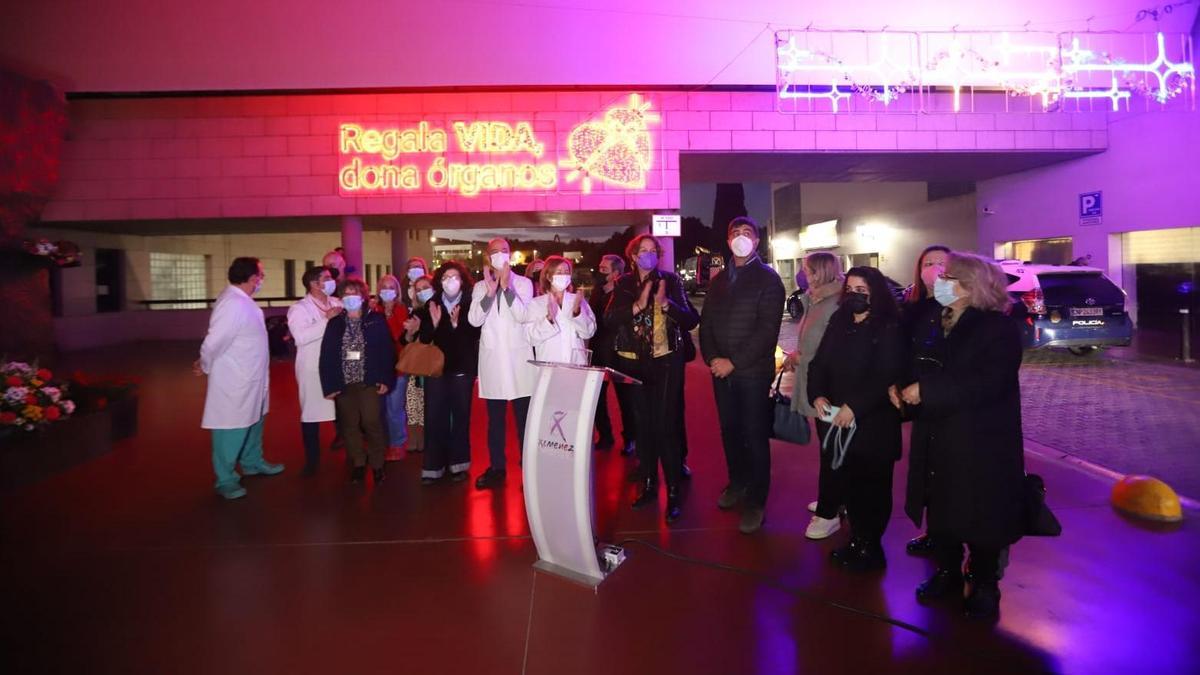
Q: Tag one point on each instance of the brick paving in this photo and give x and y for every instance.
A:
(1116, 409)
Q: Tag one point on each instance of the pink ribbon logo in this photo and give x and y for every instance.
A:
(556, 424)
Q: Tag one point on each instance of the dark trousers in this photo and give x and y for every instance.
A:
(656, 408)
(625, 404)
(831, 485)
(497, 411)
(984, 563)
(447, 425)
(683, 444)
(868, 489)
(746, 434)
(358, 418)
(311, 433)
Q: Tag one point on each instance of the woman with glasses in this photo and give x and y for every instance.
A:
(967, 479)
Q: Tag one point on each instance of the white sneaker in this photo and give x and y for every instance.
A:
(812, 507)
(821, 528)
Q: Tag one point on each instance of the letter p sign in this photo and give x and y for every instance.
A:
(1091, 208)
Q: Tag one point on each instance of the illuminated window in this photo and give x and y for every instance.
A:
(178, 276)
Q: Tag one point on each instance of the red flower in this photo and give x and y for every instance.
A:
(53, 413)
(8, 417)
(101, 403)
(44, 374)
(14, 381)
(31, 399)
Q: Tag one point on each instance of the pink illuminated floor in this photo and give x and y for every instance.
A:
(131, 564)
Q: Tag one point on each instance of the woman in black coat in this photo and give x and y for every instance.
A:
(968, 478)
(921, 324)
(860, 357)
(652, 317)
(443, 322)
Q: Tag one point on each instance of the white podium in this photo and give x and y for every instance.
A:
(557, 469)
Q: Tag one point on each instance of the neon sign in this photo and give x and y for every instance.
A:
(496, 156)
(838, 68)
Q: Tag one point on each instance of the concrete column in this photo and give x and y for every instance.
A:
(400, 251)
(352, 243)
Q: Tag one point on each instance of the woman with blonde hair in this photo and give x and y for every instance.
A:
(564, 320)
(967, 475)
(820, 301)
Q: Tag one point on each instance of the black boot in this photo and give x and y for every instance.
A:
(983, 601)
(648, 495)
(673, 510)
(943, 584)
(842, 554)
(861, 555)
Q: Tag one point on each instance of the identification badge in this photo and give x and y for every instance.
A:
(353, 356)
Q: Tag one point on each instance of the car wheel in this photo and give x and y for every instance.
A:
(793, 308)
(1083, 351)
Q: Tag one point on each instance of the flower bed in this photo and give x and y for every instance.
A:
(30, 399)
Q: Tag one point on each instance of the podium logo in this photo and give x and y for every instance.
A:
(556, 420)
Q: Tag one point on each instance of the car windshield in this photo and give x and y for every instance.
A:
(1074, 290)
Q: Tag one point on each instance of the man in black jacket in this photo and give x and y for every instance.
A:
(738, 333)
(611, 268)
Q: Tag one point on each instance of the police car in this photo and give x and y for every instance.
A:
(1078, 308)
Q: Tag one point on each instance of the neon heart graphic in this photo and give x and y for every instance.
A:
(616, 150)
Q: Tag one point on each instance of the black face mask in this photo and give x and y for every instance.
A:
(856, 302)
(333, 272)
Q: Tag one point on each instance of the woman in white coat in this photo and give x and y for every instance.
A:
(306, 321)
(563, 321)
(500, 308)
(235, 357)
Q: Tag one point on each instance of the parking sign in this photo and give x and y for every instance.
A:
(1091, 208)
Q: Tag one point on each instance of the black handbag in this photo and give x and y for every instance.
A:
(1039, 520)
(786, 424)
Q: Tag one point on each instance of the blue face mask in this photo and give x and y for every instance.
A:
(387, 295)
(425, 294)
(329, 286)
(352, 303)
(944, 291)
(647, 260)
(415, 273)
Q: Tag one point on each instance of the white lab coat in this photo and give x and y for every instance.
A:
(504, 352)
(235, 357)
(557, 341)
(307, 322)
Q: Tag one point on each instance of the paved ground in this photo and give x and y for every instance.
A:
(1123, 411)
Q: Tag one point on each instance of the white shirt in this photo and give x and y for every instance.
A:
(504, 352)
(236, 358)
(558, 341)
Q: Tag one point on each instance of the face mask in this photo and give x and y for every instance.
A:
(334, 272)
(647, 260)
(560, 282)
(352, 303)
(945, 292)
(388, 294)
(425, 294)
(257, 287)
(451, 286)
(742, 246)
(857, 302)
(499, 260)
(415, 273)
(930, 274)
(328, 286)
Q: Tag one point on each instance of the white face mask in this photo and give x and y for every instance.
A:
(945, 291)
(499, 260)
(328, 286)
(741, 246)
(415, 273)
(388, 294)
(451, 286)
(257, 287)
(560, 282)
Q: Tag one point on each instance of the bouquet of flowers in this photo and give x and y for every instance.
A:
(29, 398)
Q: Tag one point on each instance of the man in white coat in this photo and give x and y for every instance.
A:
(235, 357)
(500, 307)
(306, 322)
